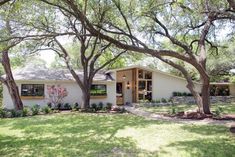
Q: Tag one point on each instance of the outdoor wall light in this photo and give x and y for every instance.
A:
(124, 77)
(128, 85)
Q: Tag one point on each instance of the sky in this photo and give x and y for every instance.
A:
(47, 56)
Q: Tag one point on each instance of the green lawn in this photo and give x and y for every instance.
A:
(227, 108)
(82, 134)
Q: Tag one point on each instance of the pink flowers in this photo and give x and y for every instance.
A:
(56, 93)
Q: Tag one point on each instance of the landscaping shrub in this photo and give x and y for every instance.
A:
(67, 106)
(3, 113)
(76, 107)
(157, 101)
(173, 109)
(218, 111)
(175, 93)
(49, 104)
(189, 94)
(15, 113)
(25, 111)
(59, 106)
(35, 109)
(181, 94)
(163, 100)
(100, 106)
(94, 107)
(46, 110)
(109, 106)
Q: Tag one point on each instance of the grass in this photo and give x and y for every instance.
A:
(82, 134)
(227, 108)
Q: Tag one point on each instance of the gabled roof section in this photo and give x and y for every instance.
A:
(147, 69)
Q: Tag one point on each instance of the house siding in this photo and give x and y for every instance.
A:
(74, 93)
(232, 89)
(164, 85)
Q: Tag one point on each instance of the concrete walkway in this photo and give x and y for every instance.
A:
(154, 116)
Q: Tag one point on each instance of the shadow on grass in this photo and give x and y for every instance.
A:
(209, 129)
(70, 135)
(216, 141)
(220, 147)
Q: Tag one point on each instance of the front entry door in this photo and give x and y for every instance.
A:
(119, 93)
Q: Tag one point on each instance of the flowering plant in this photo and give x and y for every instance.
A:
(56, 93)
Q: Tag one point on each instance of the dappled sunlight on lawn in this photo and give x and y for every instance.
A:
(169, 139)
(82, 134)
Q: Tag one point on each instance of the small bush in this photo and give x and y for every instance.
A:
(25, 112)
(76, 107)
(46, 110)
(59, 106)
(67, 106)
(163, 100)
(15, 113)
(94, 107)
(35, 109)
(109, 106)
(49, 104)
(218, 111)
(3, 113)
(175, 93)
(173, 109)
(189, 94)
(100, 106)
(157, 101)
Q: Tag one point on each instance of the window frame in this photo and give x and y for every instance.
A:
(33, 87)
(97, 94)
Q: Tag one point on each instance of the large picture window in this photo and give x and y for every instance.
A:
(98, 90)
(32, 90)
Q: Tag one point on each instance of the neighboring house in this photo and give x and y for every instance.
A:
(119, 86)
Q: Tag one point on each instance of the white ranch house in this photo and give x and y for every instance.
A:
(119, 86)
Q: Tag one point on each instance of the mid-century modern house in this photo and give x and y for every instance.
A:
(119, 86)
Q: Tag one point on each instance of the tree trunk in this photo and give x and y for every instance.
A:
(206, 96)
(86, 99)
(10, 82)
(196, 96)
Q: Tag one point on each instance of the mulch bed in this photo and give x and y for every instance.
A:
(198, 116)
(226, 117)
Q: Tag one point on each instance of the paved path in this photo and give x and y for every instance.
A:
(154, 116)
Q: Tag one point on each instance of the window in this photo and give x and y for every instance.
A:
(98, 90)
(144, 88)
(32, 90)
(119, 88)
(141, 74)
(141, 85)
(148, 75)
(219, 90)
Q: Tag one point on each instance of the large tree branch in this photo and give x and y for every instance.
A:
(67, 61)
(2, 2)
(110, 61)
(89, 26)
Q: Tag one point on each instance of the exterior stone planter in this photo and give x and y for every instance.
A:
(213, 99)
